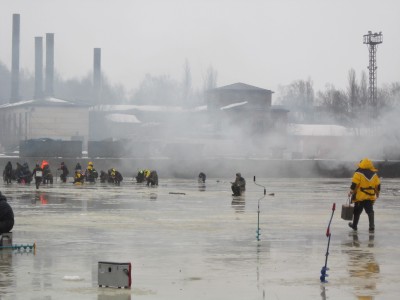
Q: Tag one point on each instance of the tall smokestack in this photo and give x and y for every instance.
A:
(97, 75)
(38, 67)
(15, 59)
(49, 88)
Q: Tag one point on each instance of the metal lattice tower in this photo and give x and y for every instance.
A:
(372, 40)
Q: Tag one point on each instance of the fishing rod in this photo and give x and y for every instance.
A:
(328, 235)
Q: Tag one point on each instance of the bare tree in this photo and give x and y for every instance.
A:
(210, 79)
(353, 92)
(186, 83)
(335, 103)
(364, 94)
(298, 97)
(160, 90)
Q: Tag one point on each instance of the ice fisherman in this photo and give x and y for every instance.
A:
(8, 173)
(79, 178)
(47, 175)
(239, 185)
(6, 216)
(91, 173)
(364, 190)
(152, 178)
(141, 175)
(114, 176)
(64, 172)
(37, 173)
(202, 177)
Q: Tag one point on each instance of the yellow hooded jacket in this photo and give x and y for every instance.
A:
(365, 184)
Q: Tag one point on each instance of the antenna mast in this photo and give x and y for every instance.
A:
(372, 40)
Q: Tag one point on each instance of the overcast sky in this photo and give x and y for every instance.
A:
(265, 43)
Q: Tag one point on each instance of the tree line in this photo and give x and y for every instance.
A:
(351, 107)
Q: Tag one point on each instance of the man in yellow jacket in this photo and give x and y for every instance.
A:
(364, 190)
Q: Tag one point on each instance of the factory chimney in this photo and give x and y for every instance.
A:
(38, 67)
(49, 84)
(15, 59)
(97, 75)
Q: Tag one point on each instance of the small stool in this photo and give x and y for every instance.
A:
(6, 239)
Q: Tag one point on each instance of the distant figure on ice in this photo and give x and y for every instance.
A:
(141, 175)
(364, 190)
(78, 166)
(79, 178)
(202, 177)
(103, 177)
(152, 178)
(91, 173)
(239, 185)
(37, 173)
(8, 173)
(23, 173)
(47, 175)
(114, 176)
(6, 216)
(64, 172)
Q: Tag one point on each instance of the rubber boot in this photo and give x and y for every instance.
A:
(354, 224)
(371, 219)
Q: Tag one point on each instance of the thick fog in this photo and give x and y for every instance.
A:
(159, 65)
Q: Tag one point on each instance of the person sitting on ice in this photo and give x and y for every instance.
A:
(141, 175)
(103, 177)
(6, 216)
(239, 185)
(79, 178)
(114, 176)
(152, 178)
(202, 177)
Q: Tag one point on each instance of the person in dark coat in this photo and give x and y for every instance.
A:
(152, 179)
(239, 185)
(65, 172)
(8, 173)
(114, 176)
(103, 177)
(37, 173)
(202, 177)
(78, 166)
(6, 215)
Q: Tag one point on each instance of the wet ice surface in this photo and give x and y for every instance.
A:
(189, 242)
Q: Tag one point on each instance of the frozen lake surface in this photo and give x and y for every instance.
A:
(187, 241)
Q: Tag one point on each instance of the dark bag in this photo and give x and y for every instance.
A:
(347, 211)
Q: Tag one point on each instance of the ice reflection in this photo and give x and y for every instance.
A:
(238, 204)
(6, 270)
(362, 265)
(202, 187)
(323, 292)
(123, 295)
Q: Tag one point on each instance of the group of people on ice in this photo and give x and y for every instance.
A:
(150, 176)
(42, 174)
(22, 173)
(91, 175)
